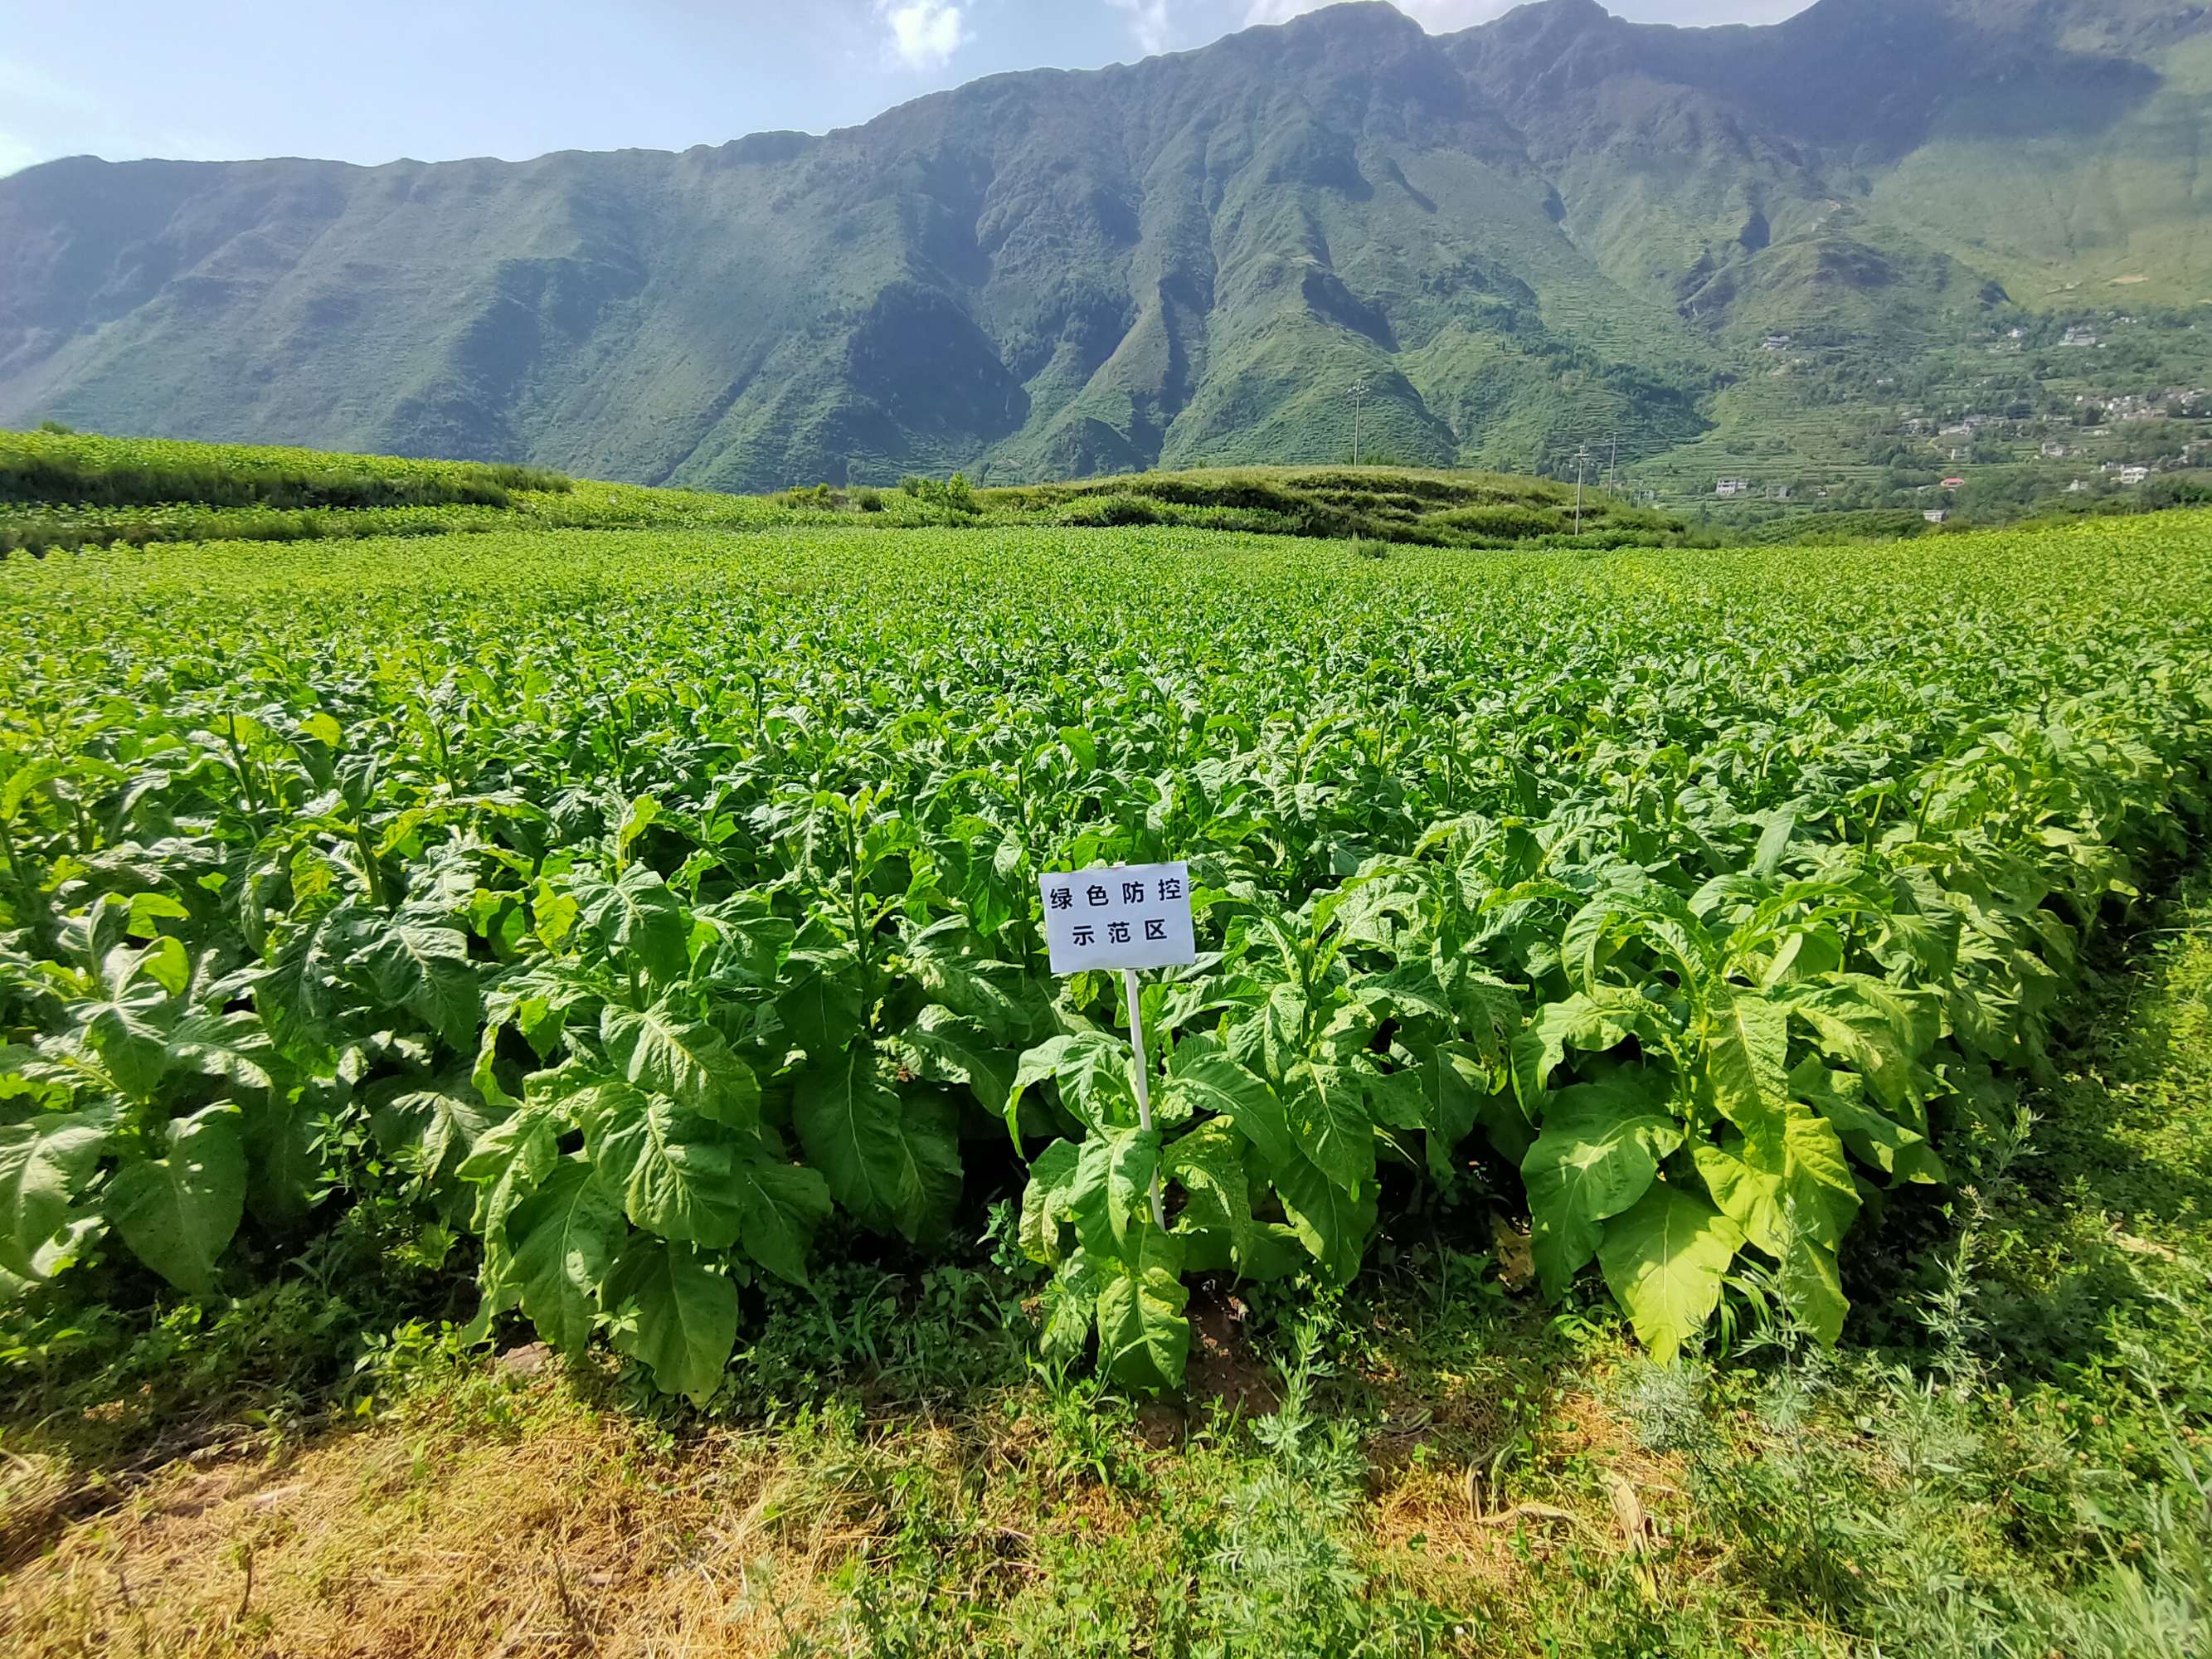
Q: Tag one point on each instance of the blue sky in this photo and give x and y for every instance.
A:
(375, 82)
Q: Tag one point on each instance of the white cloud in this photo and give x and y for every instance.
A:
(1439, 16)
(16, 153)
(27, 83)
(925, 33)
(72, 121)
(1148, 22)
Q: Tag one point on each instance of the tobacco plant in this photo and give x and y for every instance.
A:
(660, 911)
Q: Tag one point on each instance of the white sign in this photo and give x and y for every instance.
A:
(1132, 915)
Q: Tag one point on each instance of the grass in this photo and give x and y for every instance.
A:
(69, 468)
(1387, 504)
(2008, 1456)
(60, 491)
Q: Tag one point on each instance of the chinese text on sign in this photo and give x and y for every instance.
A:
(1134, 915)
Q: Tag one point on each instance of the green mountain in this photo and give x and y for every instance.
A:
(1554, 229)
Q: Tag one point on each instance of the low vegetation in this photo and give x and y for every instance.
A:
(1401, 505)
(71, 469)
(60, 491)
(2013, 1462)
(1627, 985)
(653, 962)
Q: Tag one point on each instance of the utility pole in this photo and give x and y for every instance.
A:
(1613, 463)
(1581, 460)
(1358, 397)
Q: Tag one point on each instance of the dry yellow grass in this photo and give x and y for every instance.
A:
(509, 1517)
(573, 1533)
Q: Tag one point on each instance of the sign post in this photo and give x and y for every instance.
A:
(1144, 1085)
(1130, 917)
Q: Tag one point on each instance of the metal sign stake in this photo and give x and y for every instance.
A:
(1124, 918)
(1144, 1086)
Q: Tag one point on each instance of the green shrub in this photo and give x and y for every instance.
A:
(805, 498)
(955, 495)
(1109, 510)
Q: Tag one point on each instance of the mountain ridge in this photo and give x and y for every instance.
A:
(1552, 224)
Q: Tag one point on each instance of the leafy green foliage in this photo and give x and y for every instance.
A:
(665, 923)
(99, 492)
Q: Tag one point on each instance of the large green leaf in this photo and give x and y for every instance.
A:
(1395, 1098)
(669, 1306)
(284, 1161)
(1143, 1338)
(1408, 993)
(1453, 1080)
(1133, 1158)
(966, 984)
(562, 1237)
(505, 1167)
(1665, 1259)
(1873, 1137)
(1812, 1282)
(1598, 1154)
(1791, 1192)
(441, 1125)
(780, 1205)
(892, 1159)
(43, 1162)
(426, 970)
(1092, 1070)
(664, 1051)
(1281, 1030)
(1203, 1078)
(821, 1007)
(1747, 1055)
(233, 1046)
(1209, 1165)
(128, 1037)
(672, 1171)
(1331, 1224)
(1540, 1049)
(1085, 1197)
(1071, 1306)
(25, 778)
(296, 993)
(1790, 1177)
(944, 1046)
(179, 1210)
(636, 919)
(1878, 1031)
(1327, 1110)
(1045, 1201)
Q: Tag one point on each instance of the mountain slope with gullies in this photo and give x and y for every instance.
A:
(1556, 226)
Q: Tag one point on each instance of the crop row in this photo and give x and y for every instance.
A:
(665, 905)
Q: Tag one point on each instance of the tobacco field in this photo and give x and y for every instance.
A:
(654, 912)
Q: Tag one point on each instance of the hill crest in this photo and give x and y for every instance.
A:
(1553, 225)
